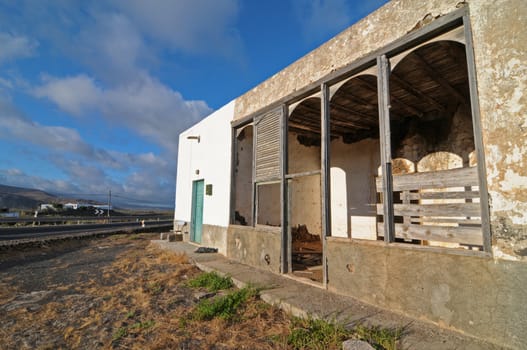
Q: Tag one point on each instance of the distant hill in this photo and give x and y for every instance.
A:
(24, 198)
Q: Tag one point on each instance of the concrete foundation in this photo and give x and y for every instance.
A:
(255, 246)
(477, 295)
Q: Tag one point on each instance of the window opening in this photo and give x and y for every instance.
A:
(243, 176)
(435, 180)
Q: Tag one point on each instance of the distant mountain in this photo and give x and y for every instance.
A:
(24, 198)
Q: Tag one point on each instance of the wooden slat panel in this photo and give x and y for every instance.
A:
(463, 235)
(267, 149)
(471, 221)
(462, 177)
(444, 195)
(448, 209)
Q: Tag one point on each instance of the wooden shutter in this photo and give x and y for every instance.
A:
(267, 147)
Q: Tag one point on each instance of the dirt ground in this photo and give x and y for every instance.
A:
(117, 292)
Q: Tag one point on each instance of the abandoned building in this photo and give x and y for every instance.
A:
(389, 164)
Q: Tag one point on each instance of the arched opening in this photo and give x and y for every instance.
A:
(431, 127)
(304, 190)
(355, 157)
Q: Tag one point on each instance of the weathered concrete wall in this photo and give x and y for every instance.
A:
(476, 295)
(353, 194)
(258, 247)
(216, 237)
(500, 48)
(387, 24)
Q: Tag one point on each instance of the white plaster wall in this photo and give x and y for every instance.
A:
(212, 157)
(353, 193)
(305, 191)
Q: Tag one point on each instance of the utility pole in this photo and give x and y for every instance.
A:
(109, 203)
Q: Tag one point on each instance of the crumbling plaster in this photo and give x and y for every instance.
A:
(500, 49)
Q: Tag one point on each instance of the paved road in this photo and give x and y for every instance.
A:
(44, 231)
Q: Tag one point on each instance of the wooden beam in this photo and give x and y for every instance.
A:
(351, 111)
(462, 235)
(413, 91)
(460, 177)
(432, 73)
(404, 105)
(446, 209)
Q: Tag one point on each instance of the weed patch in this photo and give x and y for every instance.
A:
(224, 307)
(211, 281)
(316, 334)
(380, 338)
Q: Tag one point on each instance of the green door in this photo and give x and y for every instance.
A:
(197, 211)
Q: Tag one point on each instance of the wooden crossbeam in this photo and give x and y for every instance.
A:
(432, 73)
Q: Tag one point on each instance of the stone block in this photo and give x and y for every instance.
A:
(354, 344)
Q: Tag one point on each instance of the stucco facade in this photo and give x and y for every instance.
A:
(397, 156)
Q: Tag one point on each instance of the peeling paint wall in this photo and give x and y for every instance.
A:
(500, 48)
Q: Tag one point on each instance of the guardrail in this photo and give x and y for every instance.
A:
(78, 219)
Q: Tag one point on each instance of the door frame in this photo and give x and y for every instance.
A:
(194, 208)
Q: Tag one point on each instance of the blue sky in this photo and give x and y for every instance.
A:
(93, 94)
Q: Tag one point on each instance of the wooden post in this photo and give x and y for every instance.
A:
(325, 140)
(285, 247)
(478, 141)
(383, 78)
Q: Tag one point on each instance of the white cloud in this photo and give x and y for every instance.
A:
(142, 176)
(15, 46)
(72, 94)
(145, 106)
(57, 138)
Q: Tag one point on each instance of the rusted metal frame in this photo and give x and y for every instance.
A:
(478, 138)
(383, 78)
(438, 78)
(325, 180)
(285, 203)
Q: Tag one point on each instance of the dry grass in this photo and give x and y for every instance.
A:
(125, 295)
(141, 300)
